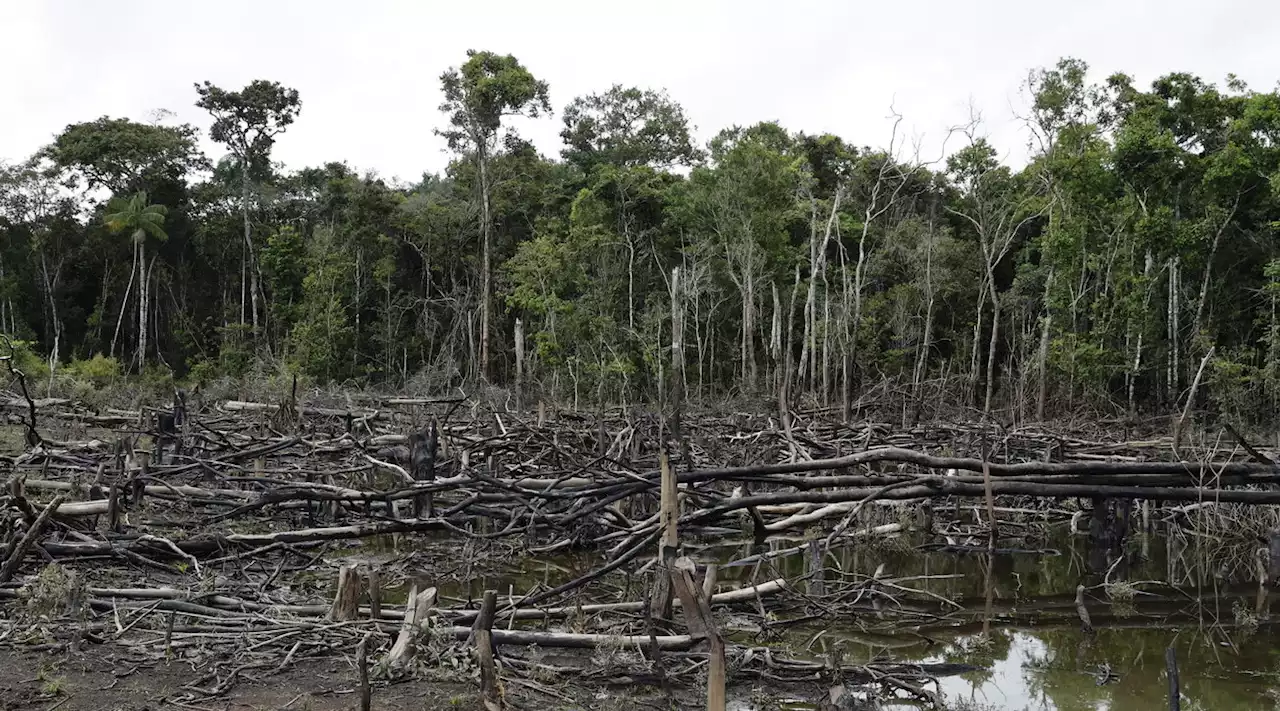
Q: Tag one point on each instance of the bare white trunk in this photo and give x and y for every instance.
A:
(1045, 329)
(124, 303)
(485, 271)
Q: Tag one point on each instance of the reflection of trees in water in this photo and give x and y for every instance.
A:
(979, 650)
(1211, 678)
(1007, 592)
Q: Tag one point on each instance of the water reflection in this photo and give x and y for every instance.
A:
(1019, 621)
(1013, 614)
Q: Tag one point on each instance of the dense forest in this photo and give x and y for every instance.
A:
(1132, 255)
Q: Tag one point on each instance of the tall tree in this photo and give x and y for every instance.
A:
(247, 122)
(486, 89)
(137, 218)
(996, 204)
(627, 128)
(124, 156)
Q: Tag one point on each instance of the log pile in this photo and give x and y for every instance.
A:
(225, 514)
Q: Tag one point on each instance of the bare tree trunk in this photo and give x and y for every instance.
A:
(142, 303)
(249, 264)
(519, 363)
(817, 265)
(677, 352)
(1045, 329)
(784, 389)
(826, 347)
(991, 352)
(926, 342)
(1149, 264)
(631, 283)
(1175, 376)
(1198, 324)
(974, 371)
(124, 304)
(750, 369)
(859, 269)
(485, 271)
(775, 336)
(50, 283)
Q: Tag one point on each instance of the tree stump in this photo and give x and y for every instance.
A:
(346, 601)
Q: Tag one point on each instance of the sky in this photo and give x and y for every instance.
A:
(368, 72)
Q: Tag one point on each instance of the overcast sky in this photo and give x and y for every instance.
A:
(368, 71)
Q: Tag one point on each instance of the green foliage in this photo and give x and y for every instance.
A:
(1140, 233)
(627, 128)
(284, 266)
(26, 360)
(248, 121)
(124, 156)
(484, 90)
(99, 370)
(1232, 386)
(136, 217)
(323, 343)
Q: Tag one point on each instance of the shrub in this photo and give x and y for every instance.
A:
(25, 359)
(100, 369)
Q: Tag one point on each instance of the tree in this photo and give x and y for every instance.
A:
(741, 210)
(996, 204)
(31, 199)
(247, 122)
(486, 89)
(124, 156)
(627, 128)
(137, 218)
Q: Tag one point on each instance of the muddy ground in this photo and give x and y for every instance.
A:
(101, 680)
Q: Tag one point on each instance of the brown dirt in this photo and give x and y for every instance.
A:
(93, 681)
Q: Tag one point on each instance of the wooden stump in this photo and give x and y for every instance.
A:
(416, 614)
(483, 631)
(346, 601)
(375, 594)
(1273, 558)
(697, 615)
(362, 666)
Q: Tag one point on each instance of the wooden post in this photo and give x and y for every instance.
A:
(375, 594)
(362, 665)
(168, 636)
(1273, 559)
(346, 601)
(670, 513)
(113, 509)
(423, 447)
(138, 483)
(181, 418)
(991, 501)
(484, 645)
(813, 566)
(1171, 668)
(668, 516)
(701, 623)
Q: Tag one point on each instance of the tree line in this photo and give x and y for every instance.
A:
(1134, 251)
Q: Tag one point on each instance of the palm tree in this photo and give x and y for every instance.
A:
(135, 217)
